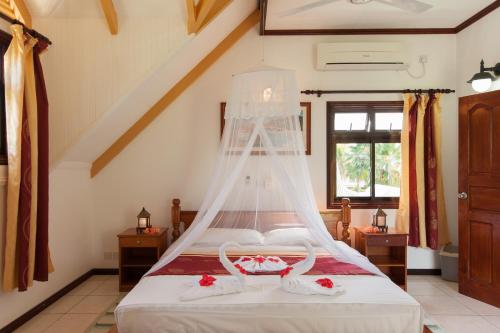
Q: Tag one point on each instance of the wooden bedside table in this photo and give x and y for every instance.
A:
(387, 251)
(138, 253)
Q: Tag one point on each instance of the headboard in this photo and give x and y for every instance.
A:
(333, 219)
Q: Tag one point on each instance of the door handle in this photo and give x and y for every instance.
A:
(462, 196)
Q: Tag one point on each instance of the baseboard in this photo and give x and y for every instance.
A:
(424, 271)
(18, 322)
(105, 271)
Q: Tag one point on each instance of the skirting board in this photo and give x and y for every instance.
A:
(114, 271)
(423, 271)
(18, 322)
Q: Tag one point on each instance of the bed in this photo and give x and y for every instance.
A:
(369, 304)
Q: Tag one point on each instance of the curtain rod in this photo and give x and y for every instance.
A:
(32, 32)
(401, 91)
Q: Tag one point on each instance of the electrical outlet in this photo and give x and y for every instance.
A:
(115, 255)
(423, 59)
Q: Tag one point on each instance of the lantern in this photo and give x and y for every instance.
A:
(143, 221)
(380, 220)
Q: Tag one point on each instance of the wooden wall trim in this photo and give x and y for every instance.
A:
(127, 137)
(109, 11)
(476, 17)
(393, 31)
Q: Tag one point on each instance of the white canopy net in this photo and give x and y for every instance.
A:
(261, 180)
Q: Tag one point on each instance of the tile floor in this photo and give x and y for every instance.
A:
(455, 313)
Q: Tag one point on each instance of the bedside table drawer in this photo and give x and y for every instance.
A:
(386, 241)
(139, 242)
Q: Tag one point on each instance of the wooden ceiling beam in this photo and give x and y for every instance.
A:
(201, 14)
(22, 12)
(202, 10)
(191, 16)
(6, 9)
(216, 9)
(121, 143)
(110, 13)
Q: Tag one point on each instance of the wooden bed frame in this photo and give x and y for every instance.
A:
(334, 220)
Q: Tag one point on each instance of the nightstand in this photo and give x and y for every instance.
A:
(387, 251)
(138, 253)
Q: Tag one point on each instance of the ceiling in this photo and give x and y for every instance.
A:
(373, 15)
(92, 8)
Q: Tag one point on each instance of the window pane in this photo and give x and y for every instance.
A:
(350, 121)
(387, 169)
(353, 170)
(389, 121)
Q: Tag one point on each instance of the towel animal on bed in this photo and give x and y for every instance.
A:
(291, 279)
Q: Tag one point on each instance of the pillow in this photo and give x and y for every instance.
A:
(217, 236)
(289, 236)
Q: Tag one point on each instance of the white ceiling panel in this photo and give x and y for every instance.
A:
(342, 14)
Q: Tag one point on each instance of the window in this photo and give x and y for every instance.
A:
(4, 45)
(364, 153)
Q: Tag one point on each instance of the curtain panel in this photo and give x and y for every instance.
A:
(26, 255)
(422, 210)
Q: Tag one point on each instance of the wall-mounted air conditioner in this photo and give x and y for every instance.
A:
(362, 56)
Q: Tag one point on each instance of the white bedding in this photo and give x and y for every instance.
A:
(369, 304)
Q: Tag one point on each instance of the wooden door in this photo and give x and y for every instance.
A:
(479, 197)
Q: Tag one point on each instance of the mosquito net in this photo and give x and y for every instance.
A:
(261, 179)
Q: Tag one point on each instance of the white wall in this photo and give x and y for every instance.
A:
(88, 71)
(175, 155)
(479, 41)
(70, 212)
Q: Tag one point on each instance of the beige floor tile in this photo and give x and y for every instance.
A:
(449, 288)
(478, 307)
(424, 288)
(465, 324)
(99, 329)
(108, 319)
(113, 278)
(429, 278)
(444, 305)
(86, 288)
(99, 278)
(93, 304)
(64, 304)
(72, 323)
(107, 288)
(495, 320)
(38, 323)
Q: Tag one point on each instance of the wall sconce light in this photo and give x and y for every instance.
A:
(482, 81)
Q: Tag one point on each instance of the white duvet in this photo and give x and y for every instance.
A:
(369, 304)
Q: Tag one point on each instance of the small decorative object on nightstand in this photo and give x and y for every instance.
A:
(138, 253)
(143, 221)
(387, 251)
(380, 220)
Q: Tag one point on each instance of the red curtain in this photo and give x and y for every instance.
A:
(41, 272)
(413, 230)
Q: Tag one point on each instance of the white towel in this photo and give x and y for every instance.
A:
(223, 285)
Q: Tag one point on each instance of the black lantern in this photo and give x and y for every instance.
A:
(143, 221)
(380, 220)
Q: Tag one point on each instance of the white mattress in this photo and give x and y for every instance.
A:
(369, 304)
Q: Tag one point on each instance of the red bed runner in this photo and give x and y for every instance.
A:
(210, 264)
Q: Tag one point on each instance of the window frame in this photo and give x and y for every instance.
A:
(359, 136)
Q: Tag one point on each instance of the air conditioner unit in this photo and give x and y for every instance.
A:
(362, 56)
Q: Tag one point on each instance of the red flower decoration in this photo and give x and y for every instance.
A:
(259, 259)
(207, 280)
(246, 259)
(285, 272)
(241, 269)
(325, 283)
